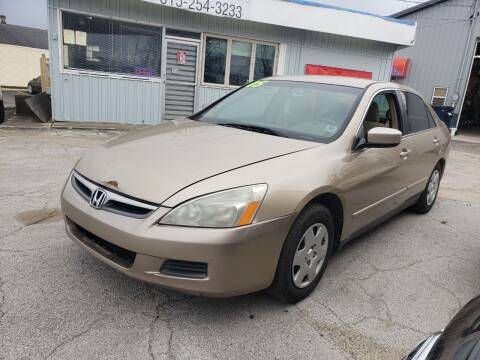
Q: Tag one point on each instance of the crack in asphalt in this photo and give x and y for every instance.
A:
(380, 300)
(389, 320)
(392, 323)
(454, 228)
(452, 293)
(2, 300)
(377, 270)
(161, 315)
(73, 338)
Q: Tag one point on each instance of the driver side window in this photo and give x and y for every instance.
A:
(383, 112)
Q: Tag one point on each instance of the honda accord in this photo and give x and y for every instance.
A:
(257, 190)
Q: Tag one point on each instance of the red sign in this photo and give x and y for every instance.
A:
(400, 67)
(181, 57)
(334, 71)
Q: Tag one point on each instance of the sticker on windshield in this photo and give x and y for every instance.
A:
(257, 84)
(331, 129)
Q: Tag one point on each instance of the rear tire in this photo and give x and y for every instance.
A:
(429, 195)
(305, 255)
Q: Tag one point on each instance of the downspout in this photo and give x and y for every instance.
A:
(456, 96)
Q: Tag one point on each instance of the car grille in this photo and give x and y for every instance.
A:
(186, 269)
(115, 202)
(117, 254)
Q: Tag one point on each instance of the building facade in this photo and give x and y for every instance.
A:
(445, 62)
(145, 61)
(20, 51)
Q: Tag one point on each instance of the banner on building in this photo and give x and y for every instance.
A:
(311, 69)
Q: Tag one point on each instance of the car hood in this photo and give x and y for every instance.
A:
(153, 164)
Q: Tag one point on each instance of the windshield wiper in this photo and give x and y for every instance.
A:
(254, 128)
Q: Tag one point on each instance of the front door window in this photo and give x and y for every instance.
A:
(383, 112)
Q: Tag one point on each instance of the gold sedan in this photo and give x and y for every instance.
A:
(257, 190)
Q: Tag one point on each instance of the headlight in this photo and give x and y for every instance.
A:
(224, 209)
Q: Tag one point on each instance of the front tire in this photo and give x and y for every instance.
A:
(429, 195)
(305, 254)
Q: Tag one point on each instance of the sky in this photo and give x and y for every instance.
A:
(33, 13)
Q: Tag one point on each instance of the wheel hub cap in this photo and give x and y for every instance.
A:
(432, 188)
(310, 255)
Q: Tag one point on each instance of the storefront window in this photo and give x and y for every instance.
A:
(215, 60)
(104, 45)
(240, 63)
(229, 61)
(264, 61)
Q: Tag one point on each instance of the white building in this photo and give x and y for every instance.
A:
(145, 61)
(20, 51)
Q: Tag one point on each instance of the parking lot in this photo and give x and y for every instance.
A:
(381, 294)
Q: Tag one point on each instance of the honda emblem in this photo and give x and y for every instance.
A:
(97, 200)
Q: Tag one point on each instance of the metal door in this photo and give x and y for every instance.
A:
(180, 78)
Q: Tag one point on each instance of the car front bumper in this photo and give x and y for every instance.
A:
(239, 260)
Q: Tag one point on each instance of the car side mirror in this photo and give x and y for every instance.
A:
(383, 137)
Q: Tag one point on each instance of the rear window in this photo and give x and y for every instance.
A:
(302, 110)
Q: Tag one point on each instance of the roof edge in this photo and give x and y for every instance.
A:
(414, 9)
(353, 11)
(317, 17)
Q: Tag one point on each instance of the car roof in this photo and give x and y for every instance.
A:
(337, 80)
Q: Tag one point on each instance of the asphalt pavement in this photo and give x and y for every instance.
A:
(380, 296)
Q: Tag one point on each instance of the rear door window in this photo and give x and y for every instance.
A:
(417, 118)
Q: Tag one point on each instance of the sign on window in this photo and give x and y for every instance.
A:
(181, 57)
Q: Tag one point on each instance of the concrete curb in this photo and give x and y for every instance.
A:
(71, 126)
(95, 126)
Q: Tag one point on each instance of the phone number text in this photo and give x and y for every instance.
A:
(213, 7)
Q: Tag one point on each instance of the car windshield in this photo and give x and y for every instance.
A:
(299, 110)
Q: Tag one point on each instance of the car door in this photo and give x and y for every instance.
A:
(422, 142)
(375, 175)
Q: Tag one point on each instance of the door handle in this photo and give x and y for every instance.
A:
(436, 141)
(404, 154)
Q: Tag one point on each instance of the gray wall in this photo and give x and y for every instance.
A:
(82, 97)
(439, 48)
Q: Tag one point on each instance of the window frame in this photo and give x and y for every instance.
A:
(230, 39)
(356, 147)
(103, 74)
(439, 97)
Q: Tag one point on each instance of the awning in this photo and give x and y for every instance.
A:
(306, 15)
